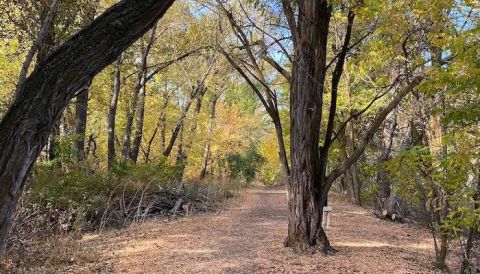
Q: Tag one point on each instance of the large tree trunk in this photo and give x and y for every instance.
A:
(47, 91)
(112, 113)
(308, 76)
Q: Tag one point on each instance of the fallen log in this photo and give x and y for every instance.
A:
(178, 205)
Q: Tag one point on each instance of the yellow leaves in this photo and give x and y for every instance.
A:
(269, 150)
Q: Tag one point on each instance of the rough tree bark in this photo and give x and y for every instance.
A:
(112, 112)
(47, 91)
(310, 33)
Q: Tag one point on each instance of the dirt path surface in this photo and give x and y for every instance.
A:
(247, 238)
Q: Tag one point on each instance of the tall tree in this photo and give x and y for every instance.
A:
(309, 182)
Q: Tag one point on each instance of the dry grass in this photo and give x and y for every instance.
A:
(47, 255)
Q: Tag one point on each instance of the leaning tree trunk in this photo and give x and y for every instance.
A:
(47, 91)
(198, 90)
(308, 76)
(282, 152)
(112, 113)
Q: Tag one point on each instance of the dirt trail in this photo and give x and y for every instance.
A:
(247, 238)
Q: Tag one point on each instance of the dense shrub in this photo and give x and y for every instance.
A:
(244, 165)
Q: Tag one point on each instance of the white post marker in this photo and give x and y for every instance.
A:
(326, 217)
